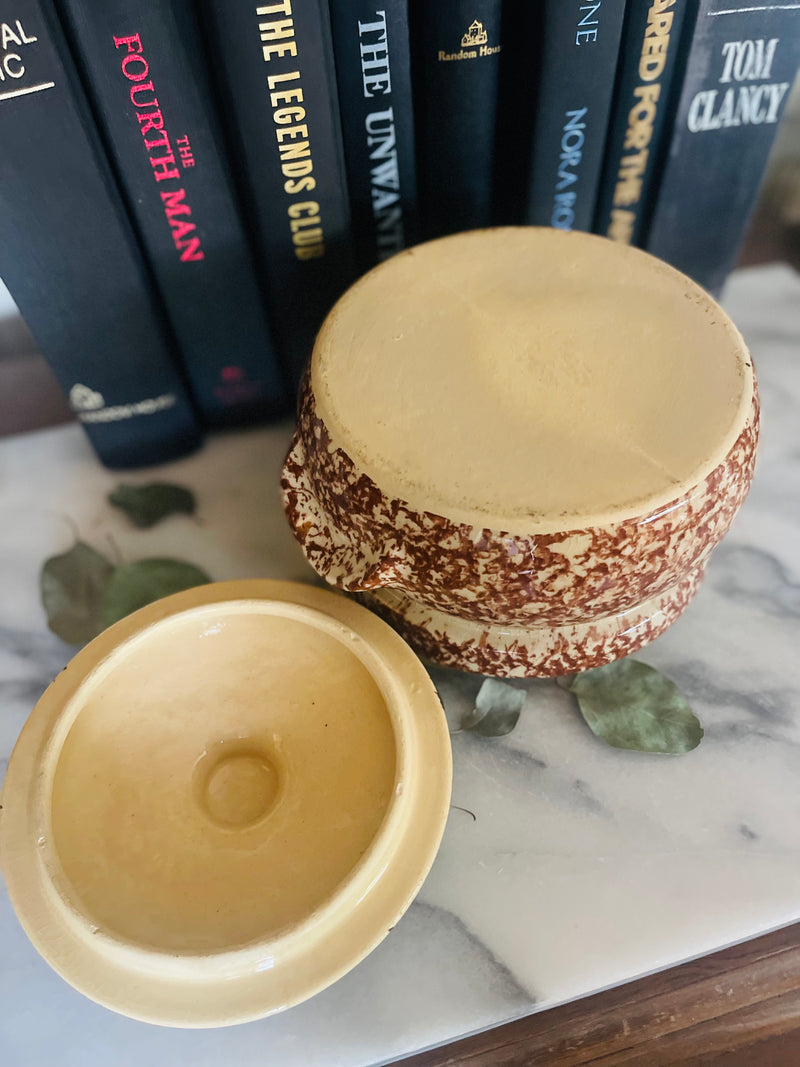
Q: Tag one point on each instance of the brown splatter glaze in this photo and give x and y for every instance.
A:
(498, 603)
(533, 650)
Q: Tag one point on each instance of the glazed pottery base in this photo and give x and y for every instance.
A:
(535, 651)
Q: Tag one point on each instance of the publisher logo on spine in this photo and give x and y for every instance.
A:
(475, 35)
(90, 406)
(82, 398)
(474, 45)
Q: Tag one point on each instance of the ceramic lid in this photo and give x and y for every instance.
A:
(225, 802)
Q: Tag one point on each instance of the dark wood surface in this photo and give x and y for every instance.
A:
(736, 1008)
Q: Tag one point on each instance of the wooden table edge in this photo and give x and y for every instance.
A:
(732, 1008)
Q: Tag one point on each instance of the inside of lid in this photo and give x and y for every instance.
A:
(223, 776)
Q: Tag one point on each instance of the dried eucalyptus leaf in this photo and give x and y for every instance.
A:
(135, 584)
(630, 705)
(497, 709)
(72, 587)
(145, 505)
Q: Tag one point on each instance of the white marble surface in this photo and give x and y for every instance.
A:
(583, 867)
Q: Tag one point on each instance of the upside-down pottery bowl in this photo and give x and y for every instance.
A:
(224, 802)
(520, 446)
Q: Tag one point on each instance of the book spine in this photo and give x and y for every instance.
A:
(373, 72)
(741, 66)
(640, 113)
(277, 79)
(70, 259)
(155, 110)
(581, 47)
(456, 52)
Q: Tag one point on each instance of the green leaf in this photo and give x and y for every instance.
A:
(497, 709)
(145, 505)
(72, 587)
(630, 705)
(136, 584)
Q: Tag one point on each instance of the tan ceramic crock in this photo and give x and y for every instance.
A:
(224, 802)
(508, 589)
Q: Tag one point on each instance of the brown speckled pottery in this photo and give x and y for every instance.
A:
(620, 379)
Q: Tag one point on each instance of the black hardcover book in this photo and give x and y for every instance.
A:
(278, 84)
(456, 47)
(70, 259)
(142, 64)
(578, 66)
(373, 72)
(741, 66)
(640, 114)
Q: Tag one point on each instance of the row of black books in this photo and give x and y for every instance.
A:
(186, 186)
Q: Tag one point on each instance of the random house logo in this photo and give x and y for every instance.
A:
(474, 45)
(475, 35)
(90, 406)
(82, 398)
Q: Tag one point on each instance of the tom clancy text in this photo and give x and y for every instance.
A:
(746, 97)
(278, 43)
(160, 151)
